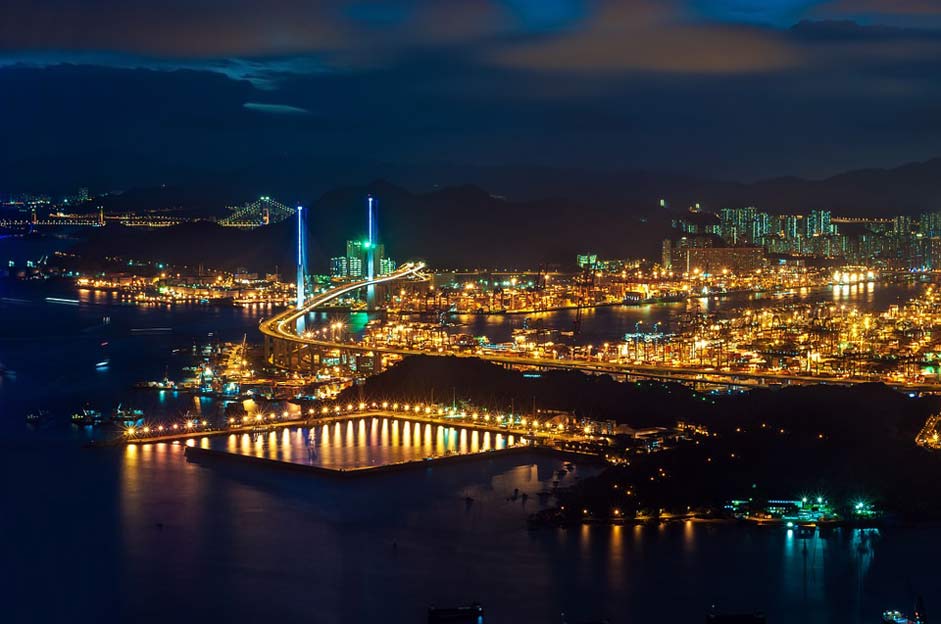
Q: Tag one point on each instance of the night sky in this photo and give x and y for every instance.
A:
(737, 89)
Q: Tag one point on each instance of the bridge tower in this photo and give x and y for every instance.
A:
(301, 258)
(372, 240)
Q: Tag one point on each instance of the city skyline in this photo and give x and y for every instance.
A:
(470, 311)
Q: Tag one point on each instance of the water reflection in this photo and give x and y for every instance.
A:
(799, 570)
(360, 442)
(689, 537)
(596, 570)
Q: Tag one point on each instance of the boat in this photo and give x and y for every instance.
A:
(668, 298)
(103, 364)
(37, 416)
(469, 614)
(163, 384)
(126, 416)
(86, 417)
(897, 617)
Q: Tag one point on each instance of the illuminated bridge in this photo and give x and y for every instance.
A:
(287, 346)
(262, 211)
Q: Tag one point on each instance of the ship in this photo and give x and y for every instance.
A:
(87, 417)
(36, 417)
(163, 384)
(897, 617)
(469, 614)
(127, 416)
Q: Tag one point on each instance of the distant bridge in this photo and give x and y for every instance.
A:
(262, 211)
(143, 221)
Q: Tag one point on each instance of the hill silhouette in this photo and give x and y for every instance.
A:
(455, 227)
(425, 378)
(906, 189)
(842, 442)
(511, 217)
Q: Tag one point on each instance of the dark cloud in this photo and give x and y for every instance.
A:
(885, 7)
(342, 31)
(656, 35)
(176, 28)
(262, 39)
(652, 35)
(264, 73)
(866, 50)
(726, 87)
(849, 30)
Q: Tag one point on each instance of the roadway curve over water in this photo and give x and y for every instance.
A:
(283, 328)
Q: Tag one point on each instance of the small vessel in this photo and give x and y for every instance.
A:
(103, 363)
(86, 417)
(126, 416)
(469, 614)
(163, 384)
(897, 617)
(37, 416)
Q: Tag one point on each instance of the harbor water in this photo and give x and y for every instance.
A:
(127, 534)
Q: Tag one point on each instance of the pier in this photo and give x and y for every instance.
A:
(495, 423)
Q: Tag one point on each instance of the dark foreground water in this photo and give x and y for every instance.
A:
(131, 535)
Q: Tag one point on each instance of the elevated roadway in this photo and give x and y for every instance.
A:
(286, 348)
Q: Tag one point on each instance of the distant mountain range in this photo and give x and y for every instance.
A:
(455, 227)
(908, 189)
(528, 216)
